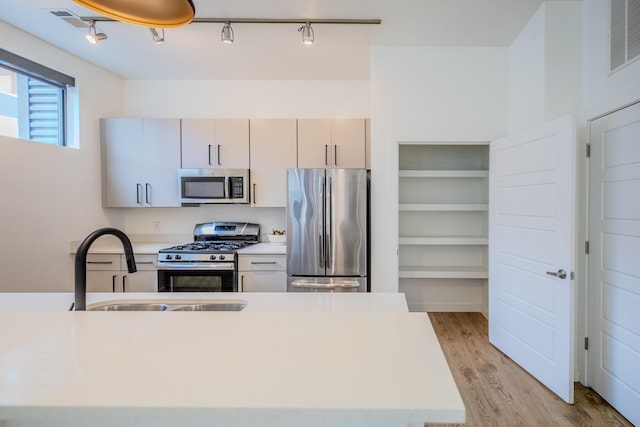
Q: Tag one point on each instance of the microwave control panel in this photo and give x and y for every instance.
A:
(237, 187)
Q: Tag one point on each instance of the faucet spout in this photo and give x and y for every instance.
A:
(80, 287)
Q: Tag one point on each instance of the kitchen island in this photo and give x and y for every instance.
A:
(320, 366)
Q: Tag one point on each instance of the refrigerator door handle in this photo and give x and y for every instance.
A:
(321, 231)
(308, 284)
(330, 226)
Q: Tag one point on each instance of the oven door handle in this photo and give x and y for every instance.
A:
(227, 266)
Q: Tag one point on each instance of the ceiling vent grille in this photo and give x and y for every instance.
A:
(69, 17)
(625, 32)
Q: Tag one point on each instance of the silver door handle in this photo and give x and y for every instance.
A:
(560, 274)
(306, 284)
(326, 155)
(254, 194)
(263, 262)
(147, 190)
(219, 163)
(210, 164)
(335, 155)
(138, 193)
(100, 262)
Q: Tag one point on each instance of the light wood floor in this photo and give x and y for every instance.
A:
(498, 392)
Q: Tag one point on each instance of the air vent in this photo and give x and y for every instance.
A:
(69, 17)
(625, 32)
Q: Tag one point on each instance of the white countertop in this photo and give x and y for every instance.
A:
(113, 246)
(258, 301)
(248, 368)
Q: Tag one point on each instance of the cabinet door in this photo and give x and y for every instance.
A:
(140, 281)
(263, 281)
(198, 143)
(314, 143)
(232, 143)
(123, 149)
(103, 281)
(273, 151)
(348, 144)
(162, 161)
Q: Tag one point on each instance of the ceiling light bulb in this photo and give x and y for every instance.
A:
(307, 33)
(159, 39)
(94, 37)
(227, 33)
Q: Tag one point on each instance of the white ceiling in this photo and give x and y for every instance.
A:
(275, 51)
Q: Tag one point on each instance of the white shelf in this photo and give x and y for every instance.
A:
(444, 174)
(457, 240)
(442, 272)
(425, 207)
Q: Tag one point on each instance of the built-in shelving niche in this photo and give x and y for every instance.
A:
(443, 225)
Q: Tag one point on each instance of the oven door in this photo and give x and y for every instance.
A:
(197, 277)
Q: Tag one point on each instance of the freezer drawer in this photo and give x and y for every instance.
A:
(326, 284)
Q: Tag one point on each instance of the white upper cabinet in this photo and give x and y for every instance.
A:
(215, 143)
(273, 151)
(141, 162)
(331, 143)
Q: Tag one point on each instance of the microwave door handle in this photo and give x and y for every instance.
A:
(227, 188)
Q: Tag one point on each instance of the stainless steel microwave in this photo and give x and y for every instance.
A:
(204, 186)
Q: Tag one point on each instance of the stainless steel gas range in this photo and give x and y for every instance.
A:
(210, 262)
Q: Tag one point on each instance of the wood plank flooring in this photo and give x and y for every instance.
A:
(498, 392)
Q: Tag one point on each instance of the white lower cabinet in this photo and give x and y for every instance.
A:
(108, 273)
(262, 273)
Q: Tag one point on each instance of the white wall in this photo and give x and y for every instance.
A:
(544, 67)
(429, 94)
(51, 194)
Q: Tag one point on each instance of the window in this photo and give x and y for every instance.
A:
(32, 100)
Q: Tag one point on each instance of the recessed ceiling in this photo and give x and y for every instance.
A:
(275, 51)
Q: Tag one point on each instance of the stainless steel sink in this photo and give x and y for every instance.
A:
(173, 305)
(131, 307)
(211, 307)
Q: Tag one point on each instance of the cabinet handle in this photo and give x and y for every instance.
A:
(138, 193)
(148, 193)
(100, 262)
(254, 194)
(144, 262)
(326, 155)
(113, 283)
(263, 262)
(242, 283)
(124, 283)
(335, 155)
(219, 163)
(210, 164)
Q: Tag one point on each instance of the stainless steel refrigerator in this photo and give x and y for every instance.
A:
(327, 230)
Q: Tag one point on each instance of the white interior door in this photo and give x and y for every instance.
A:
(531, 251)
(614, 260)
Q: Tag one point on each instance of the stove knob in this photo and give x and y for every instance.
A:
(178, 257)
(168, 257)
(221, 257)
(212, 257)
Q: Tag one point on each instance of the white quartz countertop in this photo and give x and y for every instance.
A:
(113, 246)
(247, 368)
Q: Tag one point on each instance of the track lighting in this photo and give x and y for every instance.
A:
(159, 39)
(94, 37)
(227, 33)
(307, 33)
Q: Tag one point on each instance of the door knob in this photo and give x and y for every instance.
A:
(561, 274)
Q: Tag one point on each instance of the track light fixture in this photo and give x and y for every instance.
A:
(159, 39)
(227, 33)
(94, 37)
(307, 33)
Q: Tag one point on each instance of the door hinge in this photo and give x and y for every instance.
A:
(588, 150)
(586, 343)
(586, 247)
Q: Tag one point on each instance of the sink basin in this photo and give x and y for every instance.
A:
(173, 305)
(131, 307)
(210, 307)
